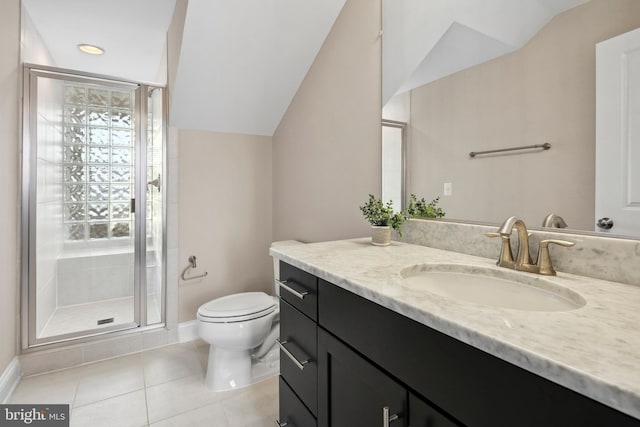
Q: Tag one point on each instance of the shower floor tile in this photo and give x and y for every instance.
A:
(81, 317)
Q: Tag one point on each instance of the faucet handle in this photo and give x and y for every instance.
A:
(506, 254)
(544, 260)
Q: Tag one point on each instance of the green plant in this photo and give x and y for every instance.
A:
(381, 214)
(422, 209)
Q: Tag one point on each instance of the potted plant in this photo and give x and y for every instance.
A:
(422, 209)
(382, 218)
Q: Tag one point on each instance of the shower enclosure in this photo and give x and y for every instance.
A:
(92, 206)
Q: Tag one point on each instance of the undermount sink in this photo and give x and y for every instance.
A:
(495, 287)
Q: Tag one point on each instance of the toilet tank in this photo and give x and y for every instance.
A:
(276, 262)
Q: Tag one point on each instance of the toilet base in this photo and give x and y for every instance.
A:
(228, 369)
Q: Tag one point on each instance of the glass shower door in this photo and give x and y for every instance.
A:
(83, 170)
(155, 215)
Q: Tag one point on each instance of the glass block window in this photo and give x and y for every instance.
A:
(98, 163)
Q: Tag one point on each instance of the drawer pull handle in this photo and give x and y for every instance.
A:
(292, 291)
(279, 424)
(386, 418)
(298, 363)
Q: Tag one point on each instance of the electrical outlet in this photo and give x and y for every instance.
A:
(448, 189)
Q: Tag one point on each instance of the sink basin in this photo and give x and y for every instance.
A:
(493, 287)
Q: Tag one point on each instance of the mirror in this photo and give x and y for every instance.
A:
(497, 75)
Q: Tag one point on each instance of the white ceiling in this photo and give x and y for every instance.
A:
(132, 33)
(241, 62)
(427, 40)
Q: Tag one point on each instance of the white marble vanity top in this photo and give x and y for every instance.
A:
(593, 350)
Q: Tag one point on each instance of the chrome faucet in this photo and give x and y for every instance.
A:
(523, 261)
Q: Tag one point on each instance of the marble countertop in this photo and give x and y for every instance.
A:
(593, 350)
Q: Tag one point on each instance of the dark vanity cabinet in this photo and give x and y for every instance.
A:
(348, 362)
(298, 347)
(353, 392)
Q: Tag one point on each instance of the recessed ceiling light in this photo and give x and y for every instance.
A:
(91, 49)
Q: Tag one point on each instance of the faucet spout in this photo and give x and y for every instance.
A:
(524, 257)
(523, 260)
(554, 221)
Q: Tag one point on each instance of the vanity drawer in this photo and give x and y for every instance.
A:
(300, 289)
(292, 410)
(298, 354)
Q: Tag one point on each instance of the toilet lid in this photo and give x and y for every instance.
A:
(246, 304)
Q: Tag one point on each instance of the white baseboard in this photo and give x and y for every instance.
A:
(188, 331)
(9, 380)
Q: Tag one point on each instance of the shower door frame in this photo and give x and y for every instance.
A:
(30, 341)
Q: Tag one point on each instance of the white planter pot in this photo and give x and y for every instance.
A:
(381, 235)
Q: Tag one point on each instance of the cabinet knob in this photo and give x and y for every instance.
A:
(386, 418)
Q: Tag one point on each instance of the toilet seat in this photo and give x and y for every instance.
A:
(237, 308)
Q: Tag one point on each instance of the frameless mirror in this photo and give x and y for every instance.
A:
(493, 75)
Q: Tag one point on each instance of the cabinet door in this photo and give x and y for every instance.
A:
(422, 414)
(292, 412)
(354, 393)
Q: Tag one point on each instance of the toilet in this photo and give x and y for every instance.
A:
(234, 325)
(237, 327)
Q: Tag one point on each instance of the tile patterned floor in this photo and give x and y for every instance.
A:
(157, 388)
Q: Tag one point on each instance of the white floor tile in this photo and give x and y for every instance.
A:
(57, 387)
(176, 397)
(162, 387)
(257, 406)
(210, 415)
(127, 410)
(110, 378)
(171, 363)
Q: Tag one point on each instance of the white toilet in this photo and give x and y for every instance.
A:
(237, 326)
(234, 325)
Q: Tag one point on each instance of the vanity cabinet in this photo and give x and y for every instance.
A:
(353, 392)
(298, 354)
(298, 386)
(368, 357)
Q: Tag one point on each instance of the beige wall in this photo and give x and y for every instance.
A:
(225, 215)
(326, 150)
(545, 92)
(9, 140)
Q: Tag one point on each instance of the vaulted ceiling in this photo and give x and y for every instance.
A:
(241, 62)
(427, 40)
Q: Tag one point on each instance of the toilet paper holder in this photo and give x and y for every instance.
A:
(192, 265)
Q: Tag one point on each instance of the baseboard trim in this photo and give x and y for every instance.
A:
(188, 331)
(9, 380)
